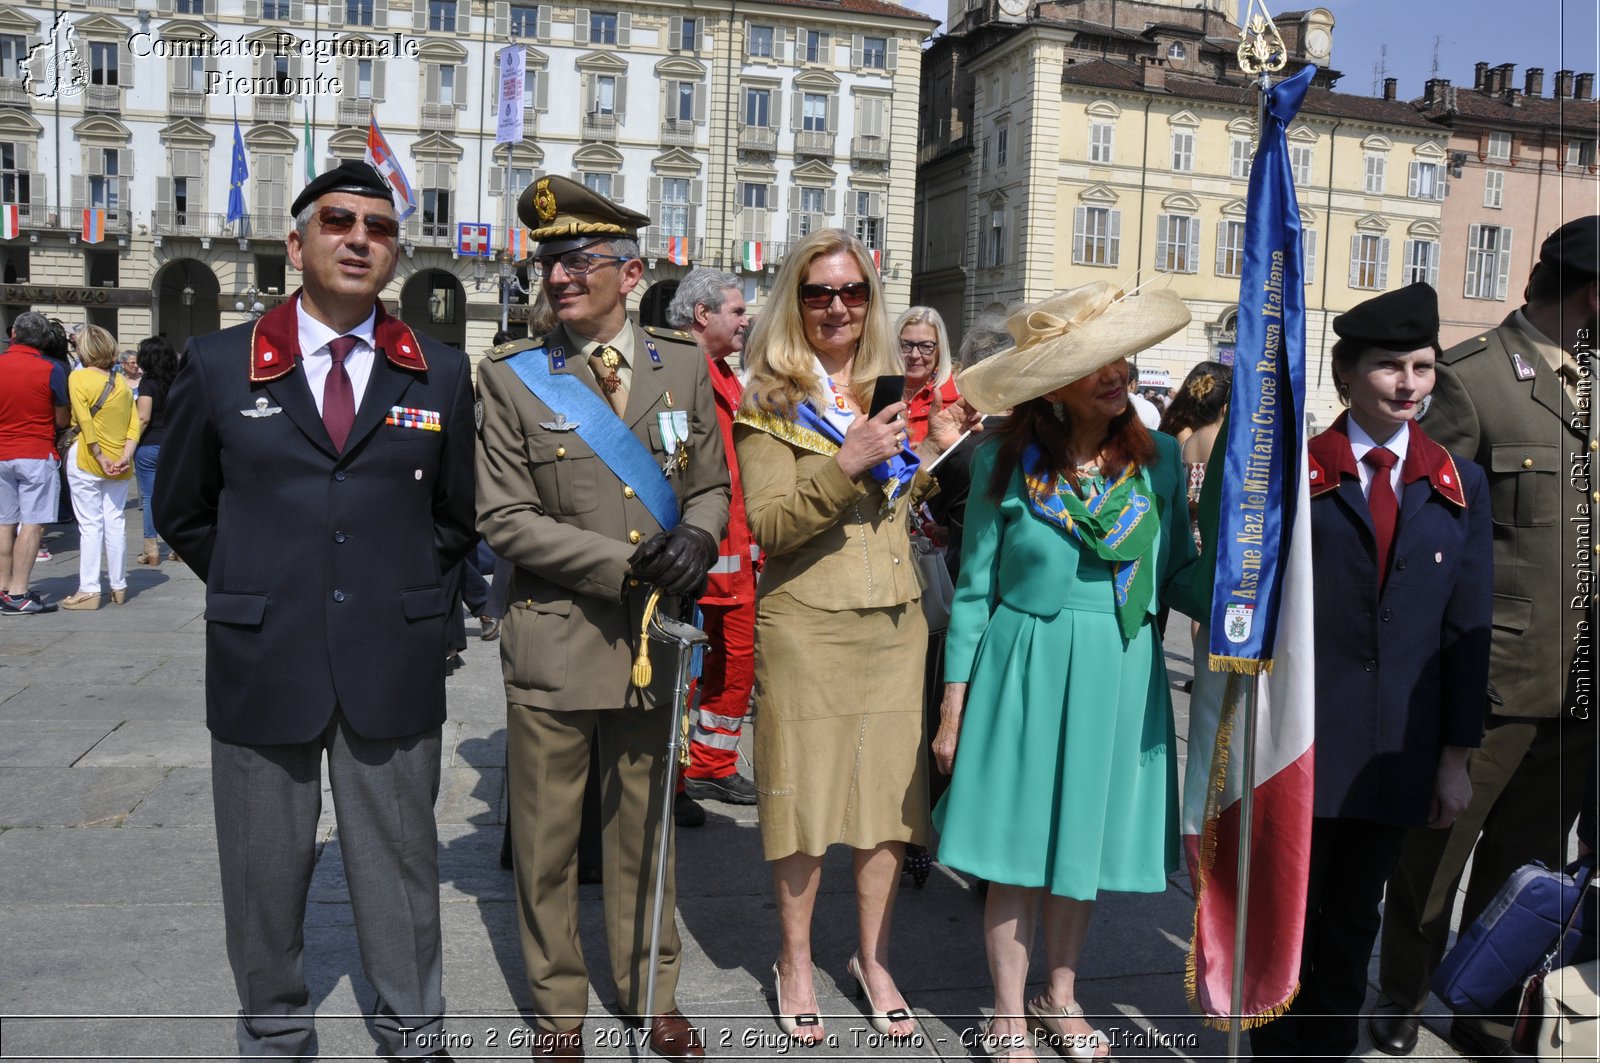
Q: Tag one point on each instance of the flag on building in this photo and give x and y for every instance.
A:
(517, 243)
(10, 220)
(1255, 526)
(311, 158)
(384, 160)
(678, 250)
(236, 175)
(94, 225)
(877, 259)
(472, 240)
(752, 257)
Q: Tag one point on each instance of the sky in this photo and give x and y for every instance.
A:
(1553, 34)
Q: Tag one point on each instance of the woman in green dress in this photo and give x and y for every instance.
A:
(1056, 723)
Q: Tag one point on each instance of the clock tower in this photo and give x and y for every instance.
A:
(1012, 10)
(1316, 36)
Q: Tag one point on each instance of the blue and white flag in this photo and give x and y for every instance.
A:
(237, 175)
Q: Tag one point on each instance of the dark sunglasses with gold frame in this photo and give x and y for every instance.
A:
(821, 296)
(338, 221)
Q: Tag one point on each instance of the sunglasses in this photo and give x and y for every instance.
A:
(576, 263)
(338, 221)
(821, 296)
(920, 346)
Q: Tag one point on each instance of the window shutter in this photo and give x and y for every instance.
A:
(825, 48)
(502, 20)
(1355, 260)
(352, 88)
(497, 176)
(624, 28)
(380, 14)
(335, 11)
(855, 51)
(124, 66)
(776, 119)
(252, 9)
(378, 68)
(1408, 260)
(699, 102)
(1194, 246)
(590, 98)
(77, 192)
(541, 91)
(1433, 264)
(295, 67)
(891, 54)
(875, 204)
(1308, 255)
(164, 193)
(580, 26)
(1080, 217)
(430, 82)
(543, 22)
(622, 96)
(833, 113)
(1163, 223)
(1222, 234)
(1504, 268)
(1114, 244)
(1383, 264)
(654, 195)
(297, 11)
(165, 7)
(797, 111)
(675, 33)
(616, 187)
(1413, 180)
(830, 202)
(125, 163)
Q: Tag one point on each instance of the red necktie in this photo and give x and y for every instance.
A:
(338, 397)
(1381, 504)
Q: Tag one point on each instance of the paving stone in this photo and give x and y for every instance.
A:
(72, 797)
(48, 743)
(154, 742)
(59, 868)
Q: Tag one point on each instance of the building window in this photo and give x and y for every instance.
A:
(13, 54)
(442, 15)
(190, 73)
(997, 237)
(689, 35)
(180, 199)
(277, 10)
(869, 219)
(1426, 181)
(1494, 188)
(1177, 51)
(1001, 139)
(280, 75)
(984, 156)
(816, 47)
(102, 63)
(436, 212)
(103, 185)
(875, 52)
(1369, 262)
(14, 181)
(1097, 237)
(814, 112)
(673, 216)
(530, 89)
(363, 79)
(1230, 248)
(1500, 147)
(1183, 150)
(758, 107)
(1421, 262)
(683, 109)
(358, 12)
(813, 206)
(524, 20)
(1488, 261)
(1100, 141)
(602, 27)
(447, 86)
(1240, 154)
(1377, 166)
(189, 7)
(598, 183)
(752, 196)
(1177, 243)
(761, 42)
(1580, 153)
(1300, 163)
(605, 94)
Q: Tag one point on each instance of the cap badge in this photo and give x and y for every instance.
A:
(544, 200)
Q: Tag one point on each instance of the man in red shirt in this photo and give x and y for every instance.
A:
(710, 305)
(33, 404)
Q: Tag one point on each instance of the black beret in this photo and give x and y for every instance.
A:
(357, 178)
(1403, 320)
(1574, 248)
(565, 215)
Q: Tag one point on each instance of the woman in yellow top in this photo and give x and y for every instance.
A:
(99, 466)
(840, 637)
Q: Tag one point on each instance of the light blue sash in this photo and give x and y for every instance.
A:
(604, 432)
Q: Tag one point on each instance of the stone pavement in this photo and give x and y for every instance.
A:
(111, 942)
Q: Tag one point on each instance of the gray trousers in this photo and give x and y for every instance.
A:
(267, 800)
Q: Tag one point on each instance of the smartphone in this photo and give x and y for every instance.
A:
(886, 392)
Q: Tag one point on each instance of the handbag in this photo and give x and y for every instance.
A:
(1534, 916)
(938, 590)
(69, 435)
(1556, 1016)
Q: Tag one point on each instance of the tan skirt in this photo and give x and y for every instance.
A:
(840, 747)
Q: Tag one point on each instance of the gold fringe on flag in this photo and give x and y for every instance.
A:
(1240, 665)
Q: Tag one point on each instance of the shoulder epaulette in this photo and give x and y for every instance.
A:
(675, 335)
(510, 347)
(1465, 349)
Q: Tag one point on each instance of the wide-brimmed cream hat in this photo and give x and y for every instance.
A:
(1068, 336)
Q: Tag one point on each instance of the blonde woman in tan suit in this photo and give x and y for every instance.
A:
(840, 637)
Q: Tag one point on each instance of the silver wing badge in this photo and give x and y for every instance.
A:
(560, 424)
(262, 409)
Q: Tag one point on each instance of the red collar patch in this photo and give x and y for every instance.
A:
(275, 342)
(1330, 460)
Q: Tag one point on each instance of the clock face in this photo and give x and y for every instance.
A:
(1014, 8)
(1318, 42)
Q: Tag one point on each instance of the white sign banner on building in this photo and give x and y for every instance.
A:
(513, 69)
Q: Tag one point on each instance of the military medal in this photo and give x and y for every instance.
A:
(263, 409)
(674, 425)
(611, 358)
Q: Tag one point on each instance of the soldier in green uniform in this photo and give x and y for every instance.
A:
(601, 474)
(1509, 400)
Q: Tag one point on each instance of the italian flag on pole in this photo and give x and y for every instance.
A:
(10, 220)
(753, 259)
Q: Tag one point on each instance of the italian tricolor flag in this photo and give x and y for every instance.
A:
(754, 257)
(10, 220)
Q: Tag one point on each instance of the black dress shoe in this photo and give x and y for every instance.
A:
(685, 813)
(1475, 1043)
(1393, 1029)
(732, 789)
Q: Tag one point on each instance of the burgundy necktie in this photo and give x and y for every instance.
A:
(1381, 504)
(338, 397)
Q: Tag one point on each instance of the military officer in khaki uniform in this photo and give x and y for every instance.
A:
(577, 427)
(1508, 400)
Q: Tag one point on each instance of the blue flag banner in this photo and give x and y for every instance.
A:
(236, 177)
(1266, 408)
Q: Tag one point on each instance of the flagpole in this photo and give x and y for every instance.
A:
(1256, 56)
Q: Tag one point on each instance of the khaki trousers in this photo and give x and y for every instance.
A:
(548, 757)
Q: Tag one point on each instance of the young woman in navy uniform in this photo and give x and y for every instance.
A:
(1401, 547)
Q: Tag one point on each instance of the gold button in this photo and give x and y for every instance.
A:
(1527, 463)
(633, 583)
(627, 492)
(561, 452)
(634, 537)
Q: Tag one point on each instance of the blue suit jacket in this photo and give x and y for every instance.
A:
(1403, 672)
(323, 570)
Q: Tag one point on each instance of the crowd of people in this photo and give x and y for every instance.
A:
(612, 469)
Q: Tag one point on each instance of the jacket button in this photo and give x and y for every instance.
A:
(897, 560)
(1399, 564)
(1386, 615)
(339, 537)
(1369, 665)
(339, 476)
(634, 537)
(1527, 463)
(561, 452)
(627, 492)
(338, 596)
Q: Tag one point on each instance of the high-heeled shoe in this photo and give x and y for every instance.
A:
(1052, 1020)
(81, 600)
(998, 1047)
(792, 1024)
(882, 1021)
(119, 595)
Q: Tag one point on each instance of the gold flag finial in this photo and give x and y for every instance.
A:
(1261, 49)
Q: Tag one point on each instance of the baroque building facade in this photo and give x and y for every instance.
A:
(738, 127)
